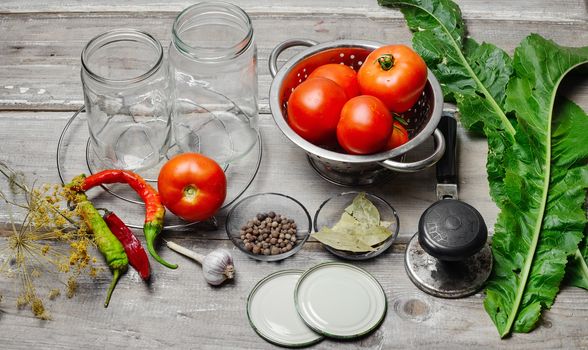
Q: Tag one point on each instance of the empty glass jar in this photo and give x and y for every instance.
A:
(126, 93)
(213, 69)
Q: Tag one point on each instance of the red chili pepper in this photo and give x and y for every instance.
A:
(154, 210)
(135, 252)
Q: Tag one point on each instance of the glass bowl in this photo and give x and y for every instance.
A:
(248, 208)
(329, 213)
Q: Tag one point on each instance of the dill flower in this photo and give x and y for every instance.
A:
(49, 240)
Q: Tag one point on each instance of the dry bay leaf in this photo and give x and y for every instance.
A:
(341, 241)
(363, 210)
(358, 230)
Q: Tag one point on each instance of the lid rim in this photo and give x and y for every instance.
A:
(341, 336)
(265, 336)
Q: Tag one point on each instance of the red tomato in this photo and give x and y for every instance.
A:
(395, 74)
(341, 74)
(314, 108)
(365, 125)
(398, 138)
(192, 186)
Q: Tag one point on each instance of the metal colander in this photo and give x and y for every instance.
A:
(333, 164)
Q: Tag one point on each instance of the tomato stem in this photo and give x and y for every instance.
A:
(386, 61)
(190, 192)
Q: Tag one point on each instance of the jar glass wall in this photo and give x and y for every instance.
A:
(126, 93)
(213, 69)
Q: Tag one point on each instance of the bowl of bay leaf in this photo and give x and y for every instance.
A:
(356, 225)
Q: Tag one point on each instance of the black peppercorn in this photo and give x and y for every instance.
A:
(269, 234)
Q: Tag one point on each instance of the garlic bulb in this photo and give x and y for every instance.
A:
(217, 266)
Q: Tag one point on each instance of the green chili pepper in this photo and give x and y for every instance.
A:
(154, 210)
(107, 243)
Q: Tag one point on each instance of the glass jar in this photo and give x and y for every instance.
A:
(126, 94)
(213, 68)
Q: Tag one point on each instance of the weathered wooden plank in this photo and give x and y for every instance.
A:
(40, 55)
(284, 168)
(521, 10)
(39, 63)
(179, 310)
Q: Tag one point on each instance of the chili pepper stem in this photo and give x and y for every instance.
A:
(186, 252)
(154, 210)
(151, 231)
(115, 277)
(159, 259)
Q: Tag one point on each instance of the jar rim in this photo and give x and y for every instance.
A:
(219, 53)
(95, 42)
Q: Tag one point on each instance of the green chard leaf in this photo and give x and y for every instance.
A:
(542, 219)
(536, 155)
(574, 126)
(577, 269)
(471, 74)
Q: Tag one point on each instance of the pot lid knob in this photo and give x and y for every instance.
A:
(452, 230)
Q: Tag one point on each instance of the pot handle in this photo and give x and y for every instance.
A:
(420, 164)
(281, 47)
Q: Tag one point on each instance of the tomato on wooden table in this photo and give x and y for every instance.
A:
(313, 109)
(395, 74)
(341, 74)
(365, 125)
(192, 186)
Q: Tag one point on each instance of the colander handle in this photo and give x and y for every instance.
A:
(273, 57)
(420, 164)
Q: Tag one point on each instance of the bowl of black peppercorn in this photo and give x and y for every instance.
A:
(268, 226)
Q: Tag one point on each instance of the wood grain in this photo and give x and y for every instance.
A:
(40, 54)
(410, 194)
(40, 45)
(518, 10)
(179, 310)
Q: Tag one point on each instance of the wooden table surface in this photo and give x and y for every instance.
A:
(40, 45)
